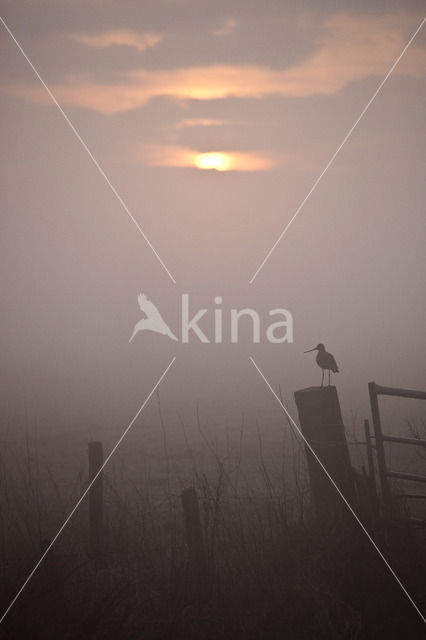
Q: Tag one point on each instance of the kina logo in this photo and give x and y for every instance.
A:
(275, 332)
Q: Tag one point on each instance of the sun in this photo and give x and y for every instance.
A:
(216, 160)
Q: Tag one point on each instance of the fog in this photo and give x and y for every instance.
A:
(350, 269)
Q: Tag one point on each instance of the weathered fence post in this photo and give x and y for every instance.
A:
(96, 506)
(380, 450)
(370, 464)
(321, 422)
(193, 529)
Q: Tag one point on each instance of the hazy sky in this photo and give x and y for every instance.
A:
(274, 87)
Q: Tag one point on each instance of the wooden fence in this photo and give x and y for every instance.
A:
(376, 390)
(322, 426)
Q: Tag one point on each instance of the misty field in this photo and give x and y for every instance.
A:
(267, 569)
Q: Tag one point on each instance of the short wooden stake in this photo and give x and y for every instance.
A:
(193, 529)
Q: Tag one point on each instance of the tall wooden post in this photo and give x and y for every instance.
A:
(96, 506)
(322, 426)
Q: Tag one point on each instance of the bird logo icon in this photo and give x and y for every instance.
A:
(153, 321)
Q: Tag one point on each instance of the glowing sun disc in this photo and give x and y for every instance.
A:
(218, 161)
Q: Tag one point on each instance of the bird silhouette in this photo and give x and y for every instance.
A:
(153, 321)
(325, 360)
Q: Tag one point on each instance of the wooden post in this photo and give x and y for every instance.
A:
(194, 533)
(321, 422)
(370, 463)
(380, 450)
(96, 506)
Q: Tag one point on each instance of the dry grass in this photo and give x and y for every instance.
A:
(271, 572)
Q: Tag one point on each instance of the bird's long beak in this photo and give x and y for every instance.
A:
(309, 350)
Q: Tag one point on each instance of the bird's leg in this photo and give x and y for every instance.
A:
(329, 377)
(322, 377)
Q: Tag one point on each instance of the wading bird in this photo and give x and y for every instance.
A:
(325, 360)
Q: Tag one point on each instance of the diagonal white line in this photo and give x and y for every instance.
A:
(299, 431)
(335, 154)
(107, 459)
(92, 157)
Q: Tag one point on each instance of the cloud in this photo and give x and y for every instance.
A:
(229, 25)
(348, 50)
(200, 122)
(118, 38)
(155, 155)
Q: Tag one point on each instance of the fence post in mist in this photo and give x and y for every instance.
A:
(96, 505)
(321, 422)
(380, 450)
(370, 464)
(193, 529)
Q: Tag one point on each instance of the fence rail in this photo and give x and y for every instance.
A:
(417, 441)
(400, 393)
(406, 476)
